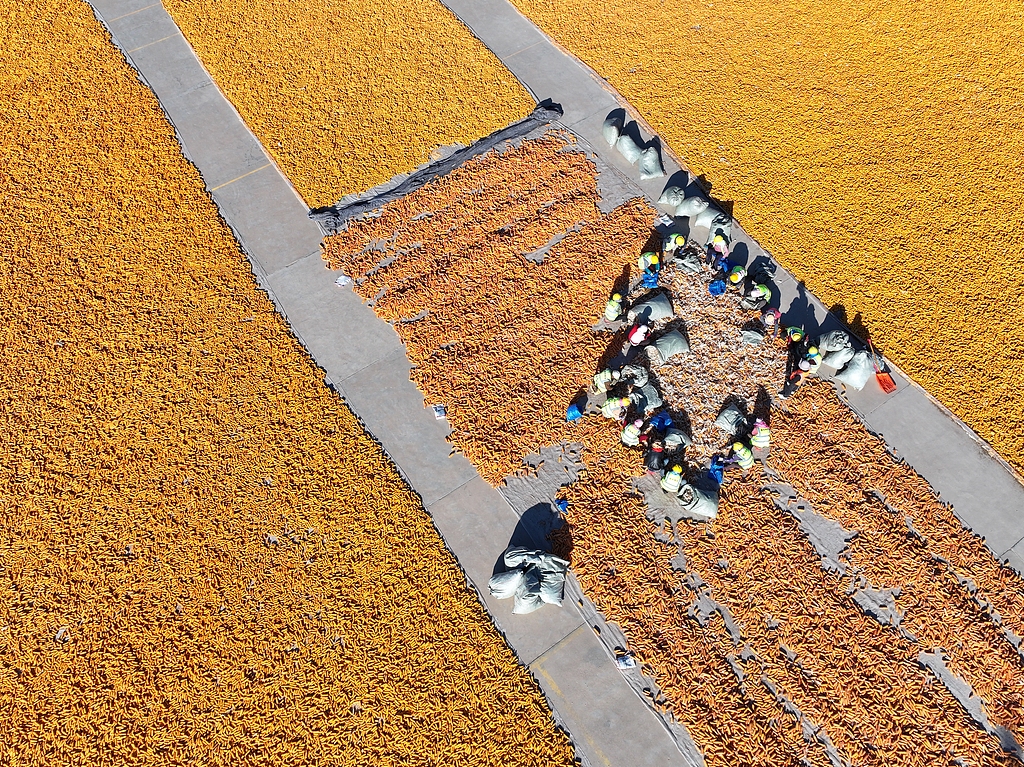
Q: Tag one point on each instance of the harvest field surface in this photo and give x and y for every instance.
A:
(203, 556)
(873, 150)
(345, 95)
(900, 645)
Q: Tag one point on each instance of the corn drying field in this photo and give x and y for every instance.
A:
(760, 645)
(874, 150)
(203, 558)
(346, 95)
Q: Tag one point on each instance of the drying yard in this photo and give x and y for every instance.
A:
(232, 530)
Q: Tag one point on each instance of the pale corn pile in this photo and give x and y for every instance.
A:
(203, 558)
(873, 149)
(506, 344)
(345, 95)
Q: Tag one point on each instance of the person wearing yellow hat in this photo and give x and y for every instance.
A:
(615, 408)
(673, 480)
(613, 309)
(813, 357)
(721, 246)
(735, 278)
(671, 243)
(650, 266)
(742, 457)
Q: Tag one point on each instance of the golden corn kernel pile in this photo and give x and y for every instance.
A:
(203, 558)
(874, 150)
(345, 95)
(506, 344)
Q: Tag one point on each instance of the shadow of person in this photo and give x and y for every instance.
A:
(621, 285)
(856, 326)
(762, 405)
(800, 312)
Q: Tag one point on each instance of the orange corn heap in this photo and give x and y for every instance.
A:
(799, 673)
(203, 558)
(345, 95)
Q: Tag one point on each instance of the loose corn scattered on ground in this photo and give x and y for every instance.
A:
(506, 344)
(346, 95)
(874, 150)
(203, 558)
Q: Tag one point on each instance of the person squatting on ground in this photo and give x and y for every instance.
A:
(656, 457)
(742, 457)
(650, 266)
(636, 337)
(720, 247)
(615, 408)
(757, 298)
(605, 380)
(673, 480)
(613, 309)
(760, 439)
(735, 278)
(631, 433)
(670, 245)
(771, 320)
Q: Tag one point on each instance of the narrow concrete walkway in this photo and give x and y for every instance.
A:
(986, 495)
(366, 362)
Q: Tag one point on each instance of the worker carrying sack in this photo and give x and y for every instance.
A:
(856, 374)
(837, 348)
(612, 129)
(668, 346)
(672, 197)
(650, 164)
(628, 148)
(654, 307)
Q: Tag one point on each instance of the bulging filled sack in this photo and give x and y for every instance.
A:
(612, 129)
(650, 164)
(628, 148)
(856, 374)
(668, 346)
(655, 307)
(731, 420)
(692, 206)
(505, 585)
(672, 196)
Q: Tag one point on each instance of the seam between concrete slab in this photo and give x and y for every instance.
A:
(453, 490)
(543, 672)
(132, 13)
(508, 55)
(239, 178)
(386, 357)
(542, 653)
(1011, 548)
(162, 39)
(286, 267)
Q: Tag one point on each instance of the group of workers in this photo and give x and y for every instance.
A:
(615, 393)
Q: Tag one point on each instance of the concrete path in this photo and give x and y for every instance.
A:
(366, 362)
(984, 491)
